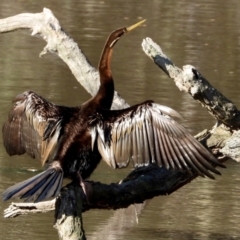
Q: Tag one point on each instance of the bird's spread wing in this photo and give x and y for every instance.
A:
(33, 126)
(147, 134)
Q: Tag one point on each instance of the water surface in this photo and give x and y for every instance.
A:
(203, 33)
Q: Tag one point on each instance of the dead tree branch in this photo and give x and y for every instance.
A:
(58, 42)
(16, 209)
(143, 183)
(188, 79)
(191, 81)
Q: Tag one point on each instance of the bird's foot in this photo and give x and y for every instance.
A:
(86, 187)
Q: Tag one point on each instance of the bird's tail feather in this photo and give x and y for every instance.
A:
(38, 188)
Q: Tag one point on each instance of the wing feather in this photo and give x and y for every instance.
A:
(166, 152)
(158, 147)
(134, 146)
(139, 151)
(33, 127)
(146, 133)
(173, 153)
(150, 140)
(146, 148)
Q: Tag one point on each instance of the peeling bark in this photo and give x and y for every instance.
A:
(68, 220)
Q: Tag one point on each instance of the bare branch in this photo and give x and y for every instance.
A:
(141, 184)
(191, 81)
(47, 26)
(68, 214)
(16, 209)
(232, 147)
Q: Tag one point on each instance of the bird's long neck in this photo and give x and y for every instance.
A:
(106, 90)
(104, 96)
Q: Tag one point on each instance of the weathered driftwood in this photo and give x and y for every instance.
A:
(141, 184)
(16, 209)
(48, 27)
(188, 79)
(68, 220)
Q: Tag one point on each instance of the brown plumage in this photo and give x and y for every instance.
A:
(72, 140)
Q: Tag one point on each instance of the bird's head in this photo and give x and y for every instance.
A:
(117, 34)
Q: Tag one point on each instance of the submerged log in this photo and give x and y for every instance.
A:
(155, 181)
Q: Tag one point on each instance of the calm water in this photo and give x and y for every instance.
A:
(205, 34)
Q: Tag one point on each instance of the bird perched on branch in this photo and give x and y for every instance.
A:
(71, 141)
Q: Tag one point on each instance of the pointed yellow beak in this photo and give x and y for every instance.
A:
(135, 25)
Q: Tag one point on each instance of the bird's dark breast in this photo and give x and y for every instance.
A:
(84, 162)
(75, 151)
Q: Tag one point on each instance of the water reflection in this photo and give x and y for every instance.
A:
(204, 34)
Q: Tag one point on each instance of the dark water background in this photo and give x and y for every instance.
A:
(205, 34)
